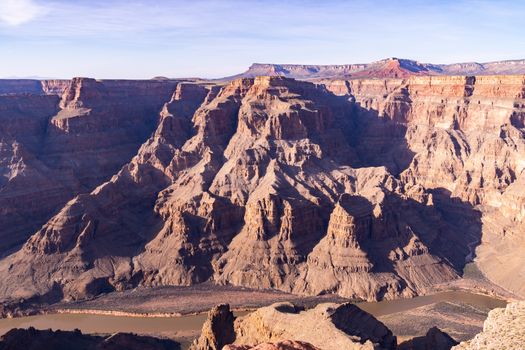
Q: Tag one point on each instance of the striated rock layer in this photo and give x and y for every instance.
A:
(54, 147)
(366, 188)
(466, 135)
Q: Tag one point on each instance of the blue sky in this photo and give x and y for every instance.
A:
(207, 38)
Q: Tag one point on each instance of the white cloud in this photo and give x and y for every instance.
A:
(16, 12)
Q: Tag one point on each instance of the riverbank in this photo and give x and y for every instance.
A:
(178, 313)
(173, 301)
(177, 301)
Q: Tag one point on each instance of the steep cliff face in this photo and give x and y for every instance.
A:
(22, 175)
(466, 135)
(264, 183)
(56, 147)
(366, 188)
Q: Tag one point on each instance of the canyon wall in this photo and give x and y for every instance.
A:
(371, 188)
(466, 135)
(61, 138)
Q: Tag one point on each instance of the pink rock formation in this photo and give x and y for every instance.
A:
(54, 149)
(327, 326)
(366, 188)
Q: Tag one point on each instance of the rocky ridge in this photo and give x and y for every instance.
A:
(283, 325)
(268, 164)
(367, 188)
(386, 68)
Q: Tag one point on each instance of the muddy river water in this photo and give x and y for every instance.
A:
(185, 326)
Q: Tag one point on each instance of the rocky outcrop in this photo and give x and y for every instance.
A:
(33, 339)
(435, 339)
(503, 329)
(327, 326)
(217, 330)
(282, 345)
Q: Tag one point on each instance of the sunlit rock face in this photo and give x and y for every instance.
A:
(368, 188)
(503, 329)
(284, 326)
(466, 135)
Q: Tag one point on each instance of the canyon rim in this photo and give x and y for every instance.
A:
(375, 205)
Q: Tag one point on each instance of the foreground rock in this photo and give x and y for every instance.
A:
(32, 339)
(327, 326)
(503, 329)
(435, 339)
(282, 345)
(217, 330)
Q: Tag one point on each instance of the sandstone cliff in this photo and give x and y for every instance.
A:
(466, 137)
(327, 327)
(366, 188)
(55, 147)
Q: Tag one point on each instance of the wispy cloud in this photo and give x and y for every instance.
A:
(17, 12)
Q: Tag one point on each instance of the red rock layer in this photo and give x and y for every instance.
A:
(54, 149)
(269, 183)
(465, 136)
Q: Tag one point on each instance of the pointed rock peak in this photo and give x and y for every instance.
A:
(217, 330)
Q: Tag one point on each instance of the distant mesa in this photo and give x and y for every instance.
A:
(387, 68)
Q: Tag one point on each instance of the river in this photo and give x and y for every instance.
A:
(188, 326)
